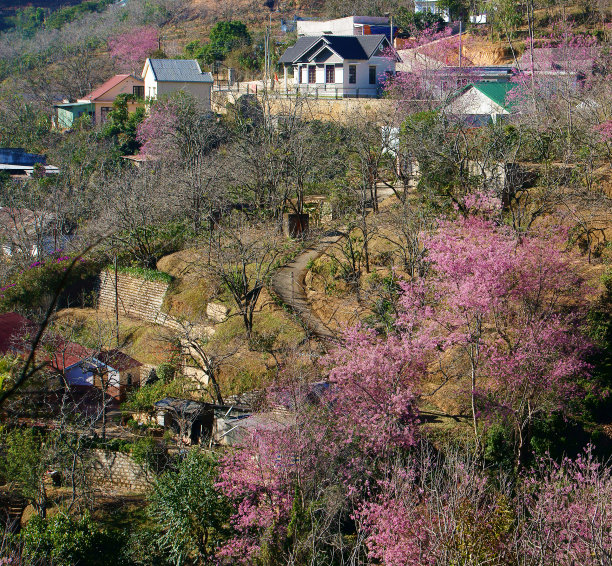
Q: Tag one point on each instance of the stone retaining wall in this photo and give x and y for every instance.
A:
(326, 109)
(116, 470)
(137, 297)
(143, 300)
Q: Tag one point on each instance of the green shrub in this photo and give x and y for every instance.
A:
(33, 287)
(64, 541)
(143, 273)
(165, 372)
(148, 453)
(142, 400)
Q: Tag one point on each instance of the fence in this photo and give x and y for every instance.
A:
(328, 90)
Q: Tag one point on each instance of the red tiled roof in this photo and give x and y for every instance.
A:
(13, 329)
(104, 88)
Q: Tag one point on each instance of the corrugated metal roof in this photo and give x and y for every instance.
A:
(357, 48)
(179, 70)
(496, 92)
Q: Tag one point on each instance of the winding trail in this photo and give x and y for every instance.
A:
(288, 281)
(288, 284)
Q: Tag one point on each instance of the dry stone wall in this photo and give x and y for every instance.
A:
(117, 471)
(137, 297)
(143, 300)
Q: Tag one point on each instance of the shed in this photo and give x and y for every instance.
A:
(69, 112)
(190, 420)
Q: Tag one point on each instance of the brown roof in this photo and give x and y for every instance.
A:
(117, 359)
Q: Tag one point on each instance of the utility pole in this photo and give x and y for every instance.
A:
(116, 300)
(266, 58)
(460, 46)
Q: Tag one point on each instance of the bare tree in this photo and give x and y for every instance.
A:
(244, 257)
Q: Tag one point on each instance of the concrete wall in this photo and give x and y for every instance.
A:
(117, 471)
(199, 90)
(340, 26)
(340, 110)
(106, 100)
(141, 299)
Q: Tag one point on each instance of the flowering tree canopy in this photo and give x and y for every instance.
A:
(131, 48)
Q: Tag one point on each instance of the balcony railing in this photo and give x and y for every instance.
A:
(316, 90)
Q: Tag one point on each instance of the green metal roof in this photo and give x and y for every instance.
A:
(73, 105)
(496, 92)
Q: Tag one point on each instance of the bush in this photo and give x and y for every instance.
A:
(165, 372)
(142, 400)
(64, 541)
(146, 274)
(148, 453)
(33, 287)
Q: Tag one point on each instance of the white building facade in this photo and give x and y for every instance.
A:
(165, 76)
(351, 25)
(339, 66)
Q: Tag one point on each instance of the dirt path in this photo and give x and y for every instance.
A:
(288, 281)
(288, 284)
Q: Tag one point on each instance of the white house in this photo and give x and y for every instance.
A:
(431, 6)
(339, 65)
(351, 25)
(112, 371)
(165, 76)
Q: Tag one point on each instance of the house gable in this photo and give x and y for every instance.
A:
(108, 91)
(475, 102)
(126, 86)
(326, 55)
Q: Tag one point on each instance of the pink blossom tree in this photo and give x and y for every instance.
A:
(156, 133)
(509, 311)
(131, 48)
(344, 445)
(567, 512)
(431, 69)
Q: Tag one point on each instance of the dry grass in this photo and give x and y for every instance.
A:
(95, 329)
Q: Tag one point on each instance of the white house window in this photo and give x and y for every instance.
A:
(373, 74)
(330, 74)
(312, 74)
(352, 73)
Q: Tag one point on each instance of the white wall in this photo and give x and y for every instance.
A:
(383, 64)
(340, 26)
(474, 102)
(150, 84)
